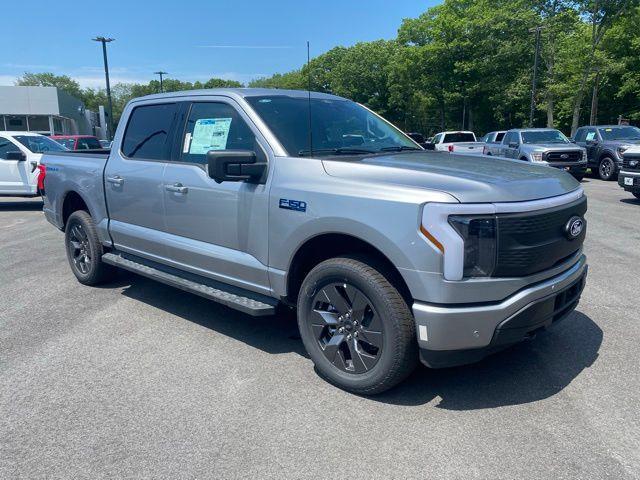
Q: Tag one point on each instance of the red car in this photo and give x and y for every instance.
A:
(78, 142)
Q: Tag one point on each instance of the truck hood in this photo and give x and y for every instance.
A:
(470, 179)
(557, 147)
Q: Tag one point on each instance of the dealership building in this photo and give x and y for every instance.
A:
(46, 110)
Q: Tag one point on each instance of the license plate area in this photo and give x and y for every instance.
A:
(628, 181)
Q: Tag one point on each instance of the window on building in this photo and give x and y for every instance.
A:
(16, 123)
(38, 123)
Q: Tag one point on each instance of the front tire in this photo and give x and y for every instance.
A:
(356, 327)
(84, 250)
(607, 169)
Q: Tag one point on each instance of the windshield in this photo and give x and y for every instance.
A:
(39, 143)
(544, 136)
(620, 133)
(459, 137)
(337, 126)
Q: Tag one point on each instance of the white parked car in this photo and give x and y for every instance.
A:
(462, 142)
(20, 154)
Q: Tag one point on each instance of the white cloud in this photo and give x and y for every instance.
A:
(247, 47)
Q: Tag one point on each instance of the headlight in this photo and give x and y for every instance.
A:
(622, 149)
(479, 235)
(536, 157)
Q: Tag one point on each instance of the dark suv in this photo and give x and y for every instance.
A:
(605, 145)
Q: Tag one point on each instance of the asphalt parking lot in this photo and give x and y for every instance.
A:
(136, 379)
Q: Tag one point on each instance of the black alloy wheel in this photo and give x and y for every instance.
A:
(347, 328)
(80, 249)
(606, 169)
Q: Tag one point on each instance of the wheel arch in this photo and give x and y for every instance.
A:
(72, 202)
(329, 245)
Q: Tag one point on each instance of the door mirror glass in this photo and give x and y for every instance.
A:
(16, 155)
(235, 166)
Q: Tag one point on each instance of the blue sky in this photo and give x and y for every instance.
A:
(192, 40)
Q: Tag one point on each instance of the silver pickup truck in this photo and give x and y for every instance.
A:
(544, 146)
(260, 198)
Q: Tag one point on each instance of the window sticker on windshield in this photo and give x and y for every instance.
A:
(209, 134)
(591, 135)
(608, 129)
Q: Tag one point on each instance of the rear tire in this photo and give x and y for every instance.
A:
(84, 250)
(607, 169)
(356, 327)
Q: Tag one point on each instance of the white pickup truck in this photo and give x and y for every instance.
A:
(462, 142)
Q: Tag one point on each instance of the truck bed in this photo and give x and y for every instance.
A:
(80, 171)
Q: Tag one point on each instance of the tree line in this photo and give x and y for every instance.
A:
(468, 64)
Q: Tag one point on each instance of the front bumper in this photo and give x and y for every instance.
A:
(632, 185)
(456, 335)
(574, 168)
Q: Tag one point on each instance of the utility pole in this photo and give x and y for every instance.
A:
(104, 41)
(532, 113)
(161, 73)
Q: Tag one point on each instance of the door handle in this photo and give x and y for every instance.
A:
(115, 180)
(176, 188)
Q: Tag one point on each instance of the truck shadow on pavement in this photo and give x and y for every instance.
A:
(21, 206)
(527, 372)
(273, 334)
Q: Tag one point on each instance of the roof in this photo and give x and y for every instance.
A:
(242, 93)
(60, 137)
(11, 133)
(532, 129)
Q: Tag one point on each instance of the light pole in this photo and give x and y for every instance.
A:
(161, 73)
(537, 31)
(104, 41)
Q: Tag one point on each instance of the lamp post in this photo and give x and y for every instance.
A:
(537, 31)
(161, 73)
(104, 41)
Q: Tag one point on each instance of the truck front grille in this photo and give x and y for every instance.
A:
(628, 160)
(532, 242)
(572, 156)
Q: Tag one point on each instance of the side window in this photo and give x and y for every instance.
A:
(214, 126)
(580, 135)
(147, 134)
(507, 138)
(437, 138)
(5, 147)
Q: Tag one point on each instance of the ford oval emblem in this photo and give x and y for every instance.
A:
(574, 227)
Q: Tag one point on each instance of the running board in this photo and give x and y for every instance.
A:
(252, 304)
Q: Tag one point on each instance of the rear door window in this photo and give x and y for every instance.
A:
(148, 132)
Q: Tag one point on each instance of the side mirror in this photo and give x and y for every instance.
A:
(19, 156)
(591, 142)
(234, 166)
(513, 144)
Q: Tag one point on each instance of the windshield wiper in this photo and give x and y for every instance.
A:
(335, 151)
(399, 148)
